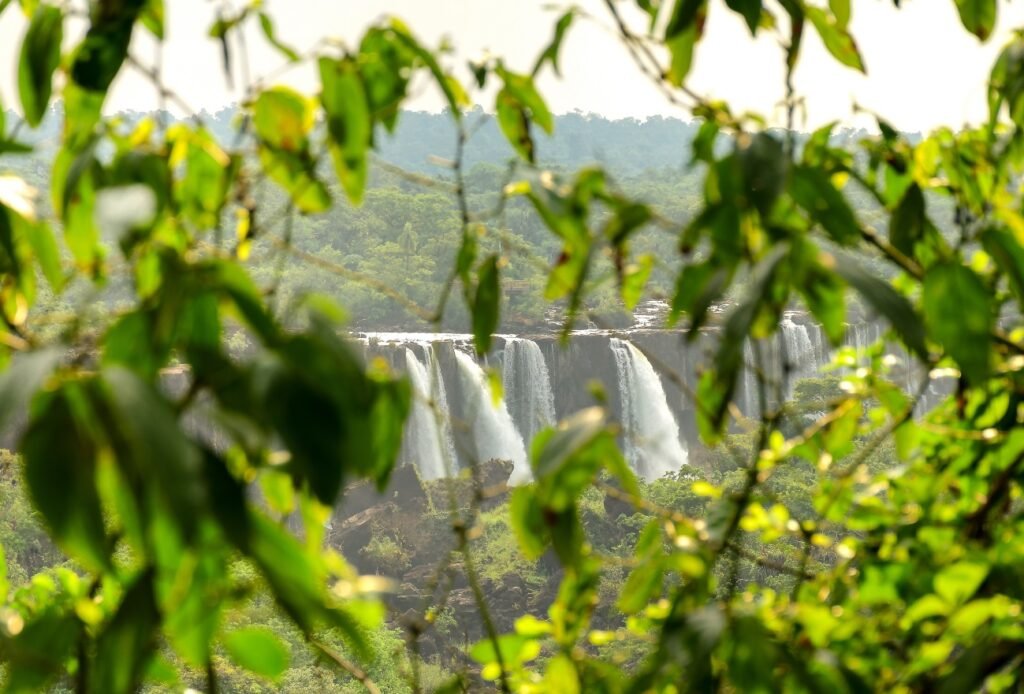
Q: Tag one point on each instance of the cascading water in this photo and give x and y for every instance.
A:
(426, 440)
(527, 384)
(750, 386)
(494, 433)
(652, 440)
(800, 352)
(441, 402)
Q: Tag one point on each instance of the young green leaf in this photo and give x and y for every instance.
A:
(836, 38)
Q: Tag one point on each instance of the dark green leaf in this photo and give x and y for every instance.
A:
(959, 313)
(99, 57)
(764, 166)
(813, 191)
(259, 650)
(888, 302)
(486, 304)
(154, 445)
(1008, 254)
(749, 9)
(907, 225)
(40, 56)
(685, 14)
(124, 647)
(58, 446)
(716, 387)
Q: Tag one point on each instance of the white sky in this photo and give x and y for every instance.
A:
(923, 68)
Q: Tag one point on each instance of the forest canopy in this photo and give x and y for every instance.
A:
(158, 270)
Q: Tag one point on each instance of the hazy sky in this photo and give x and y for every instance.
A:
(923, 68)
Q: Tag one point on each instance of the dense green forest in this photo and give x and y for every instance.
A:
(406, 233)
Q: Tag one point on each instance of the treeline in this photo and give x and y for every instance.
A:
(388, 260)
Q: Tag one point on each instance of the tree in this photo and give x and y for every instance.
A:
(905, 580)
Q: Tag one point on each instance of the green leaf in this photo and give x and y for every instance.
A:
(959, 314)
(154, 446)
(836, 38)
(908, 222)
(298, 581)
(765, 166)
(957, 583)
(518, 105)
(57, 446)
(634, 279)
(887, 301)
(526, 515)
(1008, 254)
(698, 286)
(715, 388)
(978, 16)
(349, 123)
(124, 647)
(283, 118)
(750, 10)
(486, 304)
(685, 14)
(297, 175)
(267, 25)
(152, 17)
(841, 11)
(40, 56)
(99, 57)
(642, 586)
(550, 54)
(680, 48)
(450, 87)
(813, 191)
(259, 650)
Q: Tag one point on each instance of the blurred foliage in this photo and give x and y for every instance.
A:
(800, 556)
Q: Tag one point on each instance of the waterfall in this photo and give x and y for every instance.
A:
(652, 440)
(750, 385)
(494, 433)
(427, 441)
(801, 353)
(527, 386)
(440, 396)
